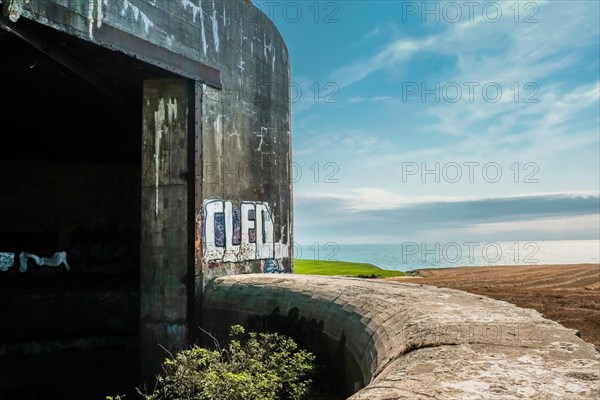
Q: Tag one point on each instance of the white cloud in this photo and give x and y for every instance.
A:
(585, 223)
(376, 99)
(373, 33)
(396, 52)
(375, 199)
(557, 132)
(369, 213)
(526, 132)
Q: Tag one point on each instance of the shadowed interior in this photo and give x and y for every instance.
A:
(70, 156)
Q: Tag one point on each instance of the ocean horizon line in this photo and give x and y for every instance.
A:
(409, 256)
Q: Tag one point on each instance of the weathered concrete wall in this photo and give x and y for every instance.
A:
(418, 342)
(246, 131)
(167, 285)
(237, 53)
(215, 151)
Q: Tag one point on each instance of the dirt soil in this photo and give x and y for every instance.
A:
(569, 294)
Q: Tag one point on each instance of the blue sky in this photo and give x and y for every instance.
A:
(444, 120)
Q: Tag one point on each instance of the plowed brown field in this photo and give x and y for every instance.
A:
(569, 294)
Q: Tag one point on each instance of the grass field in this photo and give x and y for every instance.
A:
(342, 268)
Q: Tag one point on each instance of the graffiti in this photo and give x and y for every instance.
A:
(275, 267)
(232, 234)
(7, 261)
(107, 247)
(56, 260)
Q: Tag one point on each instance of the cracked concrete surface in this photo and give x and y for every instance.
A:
(419, 342)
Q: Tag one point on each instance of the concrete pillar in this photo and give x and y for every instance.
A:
(169, 291)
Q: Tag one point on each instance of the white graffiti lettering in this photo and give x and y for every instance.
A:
(7, 261)
(56, 260)
(232, 234)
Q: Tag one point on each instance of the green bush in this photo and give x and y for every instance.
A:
(253, 366)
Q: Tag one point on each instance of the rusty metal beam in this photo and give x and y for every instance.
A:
(195, 208)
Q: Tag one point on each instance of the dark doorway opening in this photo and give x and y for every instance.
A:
(70, 181)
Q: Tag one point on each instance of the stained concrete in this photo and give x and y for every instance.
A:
(216, 128)
(166, 288)
(414, 342)
(238, 56)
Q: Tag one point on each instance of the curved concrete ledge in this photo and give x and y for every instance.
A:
(417, 342)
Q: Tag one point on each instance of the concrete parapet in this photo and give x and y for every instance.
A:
(415, 341)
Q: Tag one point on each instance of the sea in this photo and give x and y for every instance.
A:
(410, 256)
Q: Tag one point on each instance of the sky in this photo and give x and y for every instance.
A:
(438, 120)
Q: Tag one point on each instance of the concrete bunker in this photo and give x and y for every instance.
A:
(169, 122)
(148, 152)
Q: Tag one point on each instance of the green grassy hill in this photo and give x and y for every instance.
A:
(342, 268)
